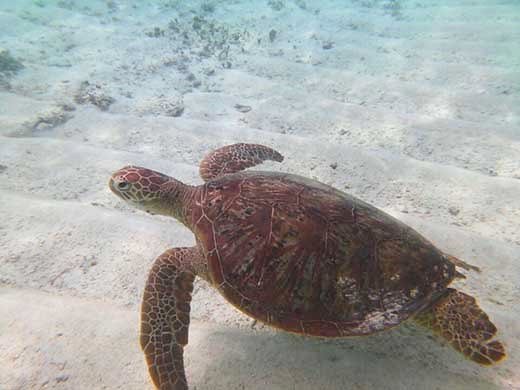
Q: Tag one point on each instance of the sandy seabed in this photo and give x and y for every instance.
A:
(412, 106)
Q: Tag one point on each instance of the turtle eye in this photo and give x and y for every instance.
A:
(123, 185)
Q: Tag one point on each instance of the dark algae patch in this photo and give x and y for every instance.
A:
(9, 66)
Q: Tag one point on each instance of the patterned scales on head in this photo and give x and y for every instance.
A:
(296, 254)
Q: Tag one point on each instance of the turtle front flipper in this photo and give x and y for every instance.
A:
(235, 158)
(458, 318)
(165, 316)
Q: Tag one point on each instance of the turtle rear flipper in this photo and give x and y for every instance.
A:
(462, 264)
(458, 318)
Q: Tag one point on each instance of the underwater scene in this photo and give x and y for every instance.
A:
(263, 194)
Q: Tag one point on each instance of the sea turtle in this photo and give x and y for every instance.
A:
(295, 254)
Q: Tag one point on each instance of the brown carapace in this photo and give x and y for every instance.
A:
(295, 254)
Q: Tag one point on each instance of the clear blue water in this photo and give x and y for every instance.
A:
(412, 106)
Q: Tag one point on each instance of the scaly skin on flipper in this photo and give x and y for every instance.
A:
(457, 318)
(165, 316)
(295, 254)
(235, 158)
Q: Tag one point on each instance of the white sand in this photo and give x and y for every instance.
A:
(419, 110)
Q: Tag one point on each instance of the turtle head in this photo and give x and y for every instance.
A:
(143, 188)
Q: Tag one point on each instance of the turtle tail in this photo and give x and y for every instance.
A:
(458, 319)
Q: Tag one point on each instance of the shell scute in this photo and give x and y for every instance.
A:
(305, 257)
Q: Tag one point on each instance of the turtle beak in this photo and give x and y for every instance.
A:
(111, 186)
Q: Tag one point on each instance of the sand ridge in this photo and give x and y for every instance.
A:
(410, 106)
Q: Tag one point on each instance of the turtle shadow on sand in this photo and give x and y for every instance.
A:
(230, 358)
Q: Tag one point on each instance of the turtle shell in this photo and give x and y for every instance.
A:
(305, 257)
